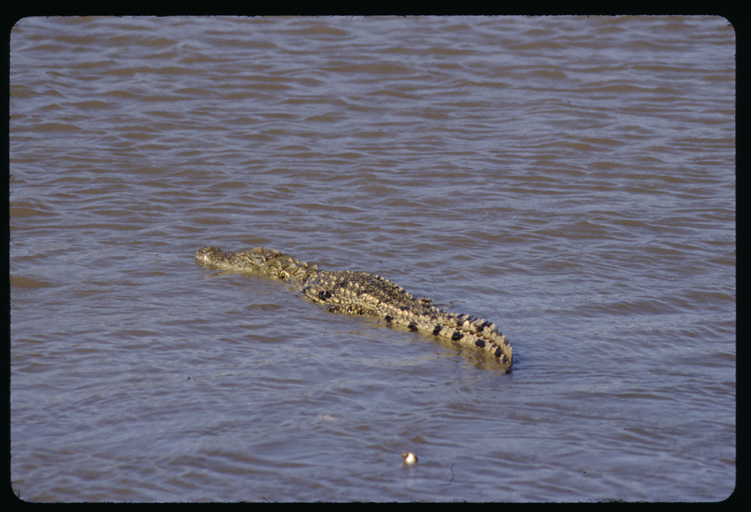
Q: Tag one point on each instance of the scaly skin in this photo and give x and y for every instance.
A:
(361, 293)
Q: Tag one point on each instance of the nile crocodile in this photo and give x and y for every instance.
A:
(361, 293)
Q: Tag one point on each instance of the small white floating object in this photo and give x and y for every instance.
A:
(409, 458)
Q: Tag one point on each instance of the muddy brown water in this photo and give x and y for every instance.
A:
(571, 179)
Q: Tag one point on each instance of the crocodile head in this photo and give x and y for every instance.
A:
(248, 261)
(267, 262)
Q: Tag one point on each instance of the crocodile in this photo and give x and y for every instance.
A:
(362, 293)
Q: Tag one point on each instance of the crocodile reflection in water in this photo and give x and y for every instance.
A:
(362, 293)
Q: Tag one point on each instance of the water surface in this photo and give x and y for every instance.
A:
(569, 178)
